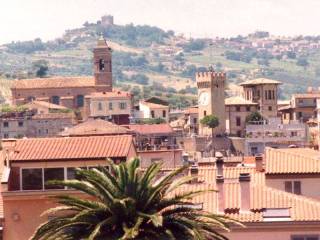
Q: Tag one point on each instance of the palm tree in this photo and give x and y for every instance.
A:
(127, 203)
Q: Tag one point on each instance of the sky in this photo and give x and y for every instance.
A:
(48, 19)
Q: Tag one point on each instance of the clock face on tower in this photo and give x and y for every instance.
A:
(203, 99)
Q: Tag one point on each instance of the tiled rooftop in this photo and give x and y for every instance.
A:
(153, 105)
(54, 82)
(259, 81)
(261, 197)
(36, 104)
(146, 129)
(43, 149)
(292, 161)
(53, 116)
(95, 127)
(113, 94)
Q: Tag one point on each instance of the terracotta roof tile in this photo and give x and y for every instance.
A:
(306, 95)
(146, 129)
(54, 82)
(53, 116)
(261, 197)
(292, 161)
(153, 105)
(113, 94)
(36, 104)
(43, 149)
(95, 127)
(192, 110)
(259, 81)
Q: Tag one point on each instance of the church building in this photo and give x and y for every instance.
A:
(68, 91)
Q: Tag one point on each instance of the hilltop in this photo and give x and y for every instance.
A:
(150, 61)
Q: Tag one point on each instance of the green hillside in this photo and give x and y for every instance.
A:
(150, 61)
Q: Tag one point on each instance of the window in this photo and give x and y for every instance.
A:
(110, 106)
(80, 101)
(204, 113)
(269, 94)
(239, 133)
(31, 98)
(294, 134)
(164, 113)
(152, 114)
(238, 121)
(195, 120)
(266, 94)
(100, 106)
(273, 95)
(5, 124)
(5, 135)
(71, 173)
(20, 124)
(299, 114)
(123, 105)
(248, 108)
(55, 100)
(258, 93)
(101, 65)
(305, 237)
(293, 187)
(53, 174)
(270, 108)
(32, 179)
(238, 108)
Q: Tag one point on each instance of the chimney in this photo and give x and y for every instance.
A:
(244, 180)
(220, 182)
(194, 173)
(259, 163)
(219, 164)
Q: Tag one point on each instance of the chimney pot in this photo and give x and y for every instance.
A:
(259, 163)
(244, 180)
(220, 183)
(219, 165)
(244, 177)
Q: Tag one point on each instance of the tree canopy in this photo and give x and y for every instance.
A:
(127, 203)
(210, 121)
(254, 117)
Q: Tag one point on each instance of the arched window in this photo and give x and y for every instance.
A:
(80, 101)
(101, 65)
(55, 100)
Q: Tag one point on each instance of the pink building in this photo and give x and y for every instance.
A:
(30, 163)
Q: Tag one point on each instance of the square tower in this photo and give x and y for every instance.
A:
(211, 86)
(102, 66)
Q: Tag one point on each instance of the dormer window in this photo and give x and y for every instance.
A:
(101, 65)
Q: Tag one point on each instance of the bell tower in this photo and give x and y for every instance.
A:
(102, 59)
(211, 86)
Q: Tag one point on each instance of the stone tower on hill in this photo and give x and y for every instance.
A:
(102, 63)
(211, 86)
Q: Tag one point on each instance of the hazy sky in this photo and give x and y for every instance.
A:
(28, 19)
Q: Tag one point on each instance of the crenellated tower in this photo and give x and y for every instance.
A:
(102, 58)
(211, 86)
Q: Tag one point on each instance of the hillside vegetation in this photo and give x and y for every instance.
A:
(150, 61)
